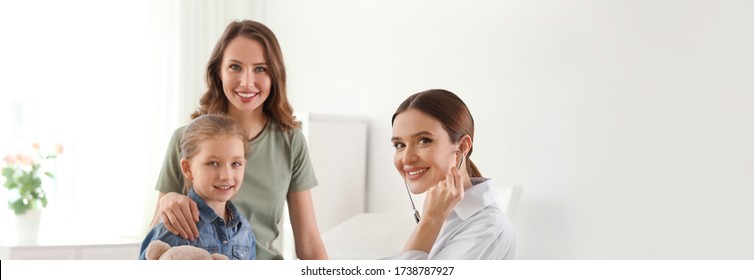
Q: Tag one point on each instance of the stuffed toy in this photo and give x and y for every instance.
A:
(159, 250)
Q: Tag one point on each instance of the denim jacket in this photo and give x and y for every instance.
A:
(235, 240)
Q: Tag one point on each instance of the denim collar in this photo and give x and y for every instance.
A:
(208, 215)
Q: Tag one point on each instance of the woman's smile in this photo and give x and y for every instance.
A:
(246, 96)
(413, 174)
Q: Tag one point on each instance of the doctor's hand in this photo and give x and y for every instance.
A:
(442, 198)
(179, 215)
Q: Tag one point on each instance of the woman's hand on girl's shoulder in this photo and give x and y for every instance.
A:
(179, 215)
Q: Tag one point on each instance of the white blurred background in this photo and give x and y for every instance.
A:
(628, 123)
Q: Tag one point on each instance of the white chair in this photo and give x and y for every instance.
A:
(373, 236)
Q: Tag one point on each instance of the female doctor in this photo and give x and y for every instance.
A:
(433, 134)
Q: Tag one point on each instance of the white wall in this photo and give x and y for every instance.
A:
(627, 122)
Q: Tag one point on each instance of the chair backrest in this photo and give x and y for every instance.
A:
(507, 199)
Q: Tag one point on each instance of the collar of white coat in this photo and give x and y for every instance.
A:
(475, 198)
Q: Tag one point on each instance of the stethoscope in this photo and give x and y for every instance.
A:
(418, 217)
(413, 206)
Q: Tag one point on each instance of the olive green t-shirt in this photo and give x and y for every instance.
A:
(278, 163)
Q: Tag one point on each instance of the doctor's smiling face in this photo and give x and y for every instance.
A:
(424, 152)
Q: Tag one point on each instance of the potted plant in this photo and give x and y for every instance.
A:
(26, 197)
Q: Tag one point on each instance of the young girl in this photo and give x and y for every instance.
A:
(213, 158)
(433, 134)
(246, 81)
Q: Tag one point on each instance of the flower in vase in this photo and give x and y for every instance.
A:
(23, 178)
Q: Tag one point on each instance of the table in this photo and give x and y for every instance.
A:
(369, 236)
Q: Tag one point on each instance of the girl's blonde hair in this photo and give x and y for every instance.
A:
(208, 127)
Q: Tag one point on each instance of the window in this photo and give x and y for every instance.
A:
(82, 73)
(110, 80)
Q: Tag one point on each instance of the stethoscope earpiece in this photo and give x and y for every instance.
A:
(463, 156)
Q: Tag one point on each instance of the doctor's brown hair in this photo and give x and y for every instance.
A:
(206, 127)
(276, 106)
(450, 111)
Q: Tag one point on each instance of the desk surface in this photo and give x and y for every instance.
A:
(369, 236)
